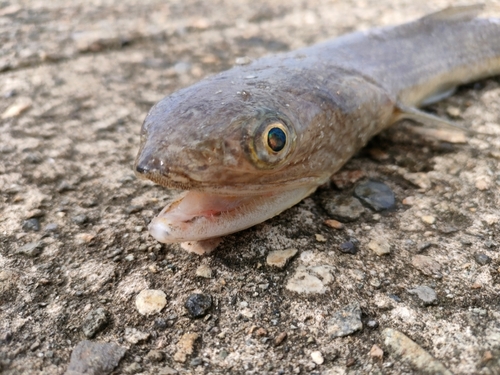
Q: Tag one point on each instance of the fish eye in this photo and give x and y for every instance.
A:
(276, 137)
(271, 141)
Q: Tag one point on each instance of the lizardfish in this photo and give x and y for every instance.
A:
(254, 140)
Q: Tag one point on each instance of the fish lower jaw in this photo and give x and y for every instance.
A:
(197, 216)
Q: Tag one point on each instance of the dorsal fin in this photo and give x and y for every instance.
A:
(455, 13)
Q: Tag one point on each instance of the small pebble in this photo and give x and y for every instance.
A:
(198, 305)
(423, 246)
(21, 105)
(348, 247)
(428, 219)
(320, 237)
(372, 324)
(409, 201)
(135, 336)
(378, 154)
(425, 264)
(279, 258)
(185, 346)
(303, 282)
(280, 338)
(83, 238)
(154, 356)
(379, 247)
(202, 247)
(477, 285)
(160, 324)
(79, 219)
(453, 111)
(95, 322)
(31, 249)
(317, 357)
(64, 186)
(375, 283)
(133, 368)
(167, 371)
(410, 352)
(32, 224)
(341, 207)
(204, 271)
(334, 224)
(426, 294)
(422, 180)
(95, 358)
(261, 332)
(51, 227)
(350, 361)
(150, 301)
(345, 321)
(244, 60)
(487, 356)
(195, 362)
(376, 353)
(482, 259)
(483, 184)
(375, 195)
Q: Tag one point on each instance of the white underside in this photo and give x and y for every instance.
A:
(197, 216)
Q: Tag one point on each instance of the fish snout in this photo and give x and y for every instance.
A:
(147, 165)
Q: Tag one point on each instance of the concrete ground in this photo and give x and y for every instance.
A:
(76, 81)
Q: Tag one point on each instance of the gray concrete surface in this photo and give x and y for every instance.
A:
(77, 79)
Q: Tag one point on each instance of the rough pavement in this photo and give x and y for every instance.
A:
(77, 79)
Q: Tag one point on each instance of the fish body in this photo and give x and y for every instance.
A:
(253, 141)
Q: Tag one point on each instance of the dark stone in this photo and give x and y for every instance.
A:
(94, 358)
(482, 259)
(376, 195)
(95, 322)
(31, 224)
(160, 324)
(348, 247)
(198, 305)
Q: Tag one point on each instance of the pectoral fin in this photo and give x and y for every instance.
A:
(433, 126)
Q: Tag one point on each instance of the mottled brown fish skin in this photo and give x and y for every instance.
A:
(336, 95)
(332, 97)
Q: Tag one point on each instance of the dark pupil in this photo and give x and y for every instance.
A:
(276, 139)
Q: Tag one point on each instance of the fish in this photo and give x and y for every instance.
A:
(248, 143)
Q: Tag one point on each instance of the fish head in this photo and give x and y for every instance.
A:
(230, 149)
(233, 152)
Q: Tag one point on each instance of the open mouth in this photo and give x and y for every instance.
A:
(197, 215)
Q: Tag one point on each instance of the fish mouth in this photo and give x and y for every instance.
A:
(200, 215)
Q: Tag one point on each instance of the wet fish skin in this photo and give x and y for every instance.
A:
(333, 96)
